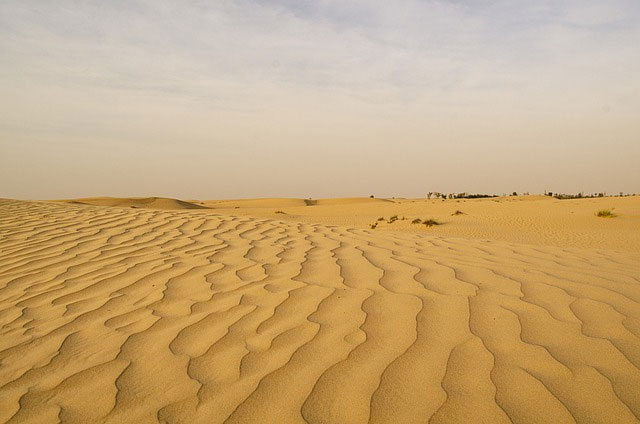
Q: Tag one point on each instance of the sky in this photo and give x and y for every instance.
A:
(302, 98)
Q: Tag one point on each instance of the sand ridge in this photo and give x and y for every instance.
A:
(143, 315)
(136, 202)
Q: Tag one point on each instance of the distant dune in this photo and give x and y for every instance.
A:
(539, 220)
(286, 202)
(165, 313)
(137, 202)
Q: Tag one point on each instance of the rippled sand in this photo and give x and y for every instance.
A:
(111, 314)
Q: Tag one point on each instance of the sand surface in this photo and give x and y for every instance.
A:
(523, 309)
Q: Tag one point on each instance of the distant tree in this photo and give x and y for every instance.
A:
(514, 193)
(371, 197)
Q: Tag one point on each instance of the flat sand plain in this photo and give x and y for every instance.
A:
(520, 309)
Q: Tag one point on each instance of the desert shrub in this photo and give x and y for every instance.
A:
(605, 213)
(458, 212)
(417, 221)
(472, 196)
(280, 212)
(381, 218)
(430, 222)
(562, 196)
(373, 226)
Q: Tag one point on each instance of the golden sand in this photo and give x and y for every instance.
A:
(523, 309)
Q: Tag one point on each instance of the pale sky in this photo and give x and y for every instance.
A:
(302, 98)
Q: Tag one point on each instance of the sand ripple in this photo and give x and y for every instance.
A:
(130, 315)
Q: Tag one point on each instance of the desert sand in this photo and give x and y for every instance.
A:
(518, 309)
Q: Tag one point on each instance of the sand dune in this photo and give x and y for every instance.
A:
(540, 220)
(116, 315)
(270, 203)
(137, 202)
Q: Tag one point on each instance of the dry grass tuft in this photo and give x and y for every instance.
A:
(605, 213)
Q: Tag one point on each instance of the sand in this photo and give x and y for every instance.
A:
(523, 309)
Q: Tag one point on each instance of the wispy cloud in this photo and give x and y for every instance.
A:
(353, 46)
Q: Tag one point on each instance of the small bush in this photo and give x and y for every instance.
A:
(373, 226)
(393, 218)
(430, 222)
(381, 218)
(458, 212)
(281, 212)
(417, 221)
(605, 213)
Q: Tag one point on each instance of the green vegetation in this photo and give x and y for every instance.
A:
(562, 196)
(458, 195)
(605, 213)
